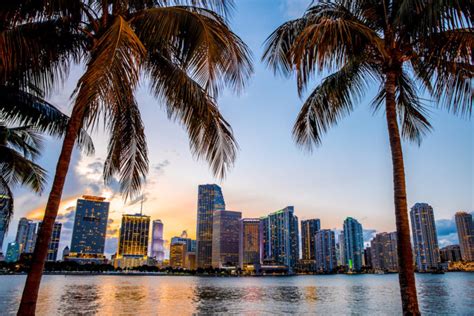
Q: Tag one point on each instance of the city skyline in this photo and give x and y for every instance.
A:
(352, 166)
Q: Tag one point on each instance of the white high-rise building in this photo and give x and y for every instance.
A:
(157, 242)
(425, 238)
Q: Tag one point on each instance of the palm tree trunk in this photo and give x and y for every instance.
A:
(30, 292)
(405, 257)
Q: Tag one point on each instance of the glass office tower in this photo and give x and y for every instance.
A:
(353, 244)
(425, 237)
(309, 228)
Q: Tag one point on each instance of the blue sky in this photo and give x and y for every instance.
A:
(349, 175)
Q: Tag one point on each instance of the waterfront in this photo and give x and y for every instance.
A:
(451, 293)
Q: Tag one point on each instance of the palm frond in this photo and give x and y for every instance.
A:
(200, 42)
(16, 169)
(186, 101)
(333, 99)
(221, 7)
(127, 152)
(7, 195)
(21, 108)
(24, 139)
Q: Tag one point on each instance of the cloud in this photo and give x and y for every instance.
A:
(111, 244)
(161, 165)
(295, 8)
(447, 232)
(67, 218)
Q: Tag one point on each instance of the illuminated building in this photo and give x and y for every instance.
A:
(309, 228)
(210, 199)
(90, 227)
(133, 241)
(5, 203)
(157, 241)
(178, 252)
(425, 238)
(465, 229)
(249, 244)
(53, 245)
(451, 253)
(225, 238)
(353, 244)
(325, 251)
(341, 249)
(190, 243)
(13, 252)
(26, 235)
(383, 248)
(280, 238)
(190, 262)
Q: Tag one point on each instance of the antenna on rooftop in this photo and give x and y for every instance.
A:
(141, 205)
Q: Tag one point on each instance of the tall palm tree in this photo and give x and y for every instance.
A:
(19, 147)
(184, 47)
(406, 47)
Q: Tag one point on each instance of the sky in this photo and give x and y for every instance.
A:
(348, 175)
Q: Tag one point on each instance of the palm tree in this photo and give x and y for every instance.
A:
(184, 47)
(406, 47)
(19, 147)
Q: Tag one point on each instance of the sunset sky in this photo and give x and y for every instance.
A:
(349, 175)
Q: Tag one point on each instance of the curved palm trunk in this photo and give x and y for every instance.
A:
(30, 292)
(405, 257)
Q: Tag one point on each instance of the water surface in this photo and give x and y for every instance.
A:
(451, 293)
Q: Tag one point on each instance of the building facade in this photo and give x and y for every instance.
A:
(451, 253)
(325, 251)
(53, 245)
(90, 227)
(465, 228)
(134, 232)
(26, 235)
(225, 239)
(210, 199)
(249, 243)
(178, 255)
(281, 238)
(13, 252)
(384, 252)
(309, 228)
(353, 244)
(5, 205)
(157, 241)
(425, 237)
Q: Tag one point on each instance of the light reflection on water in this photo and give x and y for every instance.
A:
(452, 293)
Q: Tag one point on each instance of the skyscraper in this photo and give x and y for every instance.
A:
(353, 244)
(178, 255)
(425, 238)
(280, 237)
(133, 241)
(342, 250)
(5, 203)
(325, 250)
(157, 241)
(249, 244)
(384, 252)
(53, 245)
(465, 229)
(210, 199)
(309, 228)
(26, 235)
(90, 226)
(225, 238)
(13, 252)
(451, 253)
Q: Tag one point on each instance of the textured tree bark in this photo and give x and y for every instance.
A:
(30, 292)
(405, 257)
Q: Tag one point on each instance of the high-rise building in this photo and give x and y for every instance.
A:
(325, 251)
(368, 257)
(133, 241)
(134, 234)
(353, 244)
(178, 253)
(465, 229)
(281, 237)
(190, 243)
(157, 241)
(249, 244)
(451, 253)
(26, 235)
(210, 199)
(309, 228)
(5, 204)
(90, 227)
(425, 238)
(13, 252)
(53, 245)
(342, 250)
(65, 252)
(225, 238)
(384, 252)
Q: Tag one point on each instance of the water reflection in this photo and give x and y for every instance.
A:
(158, 295)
